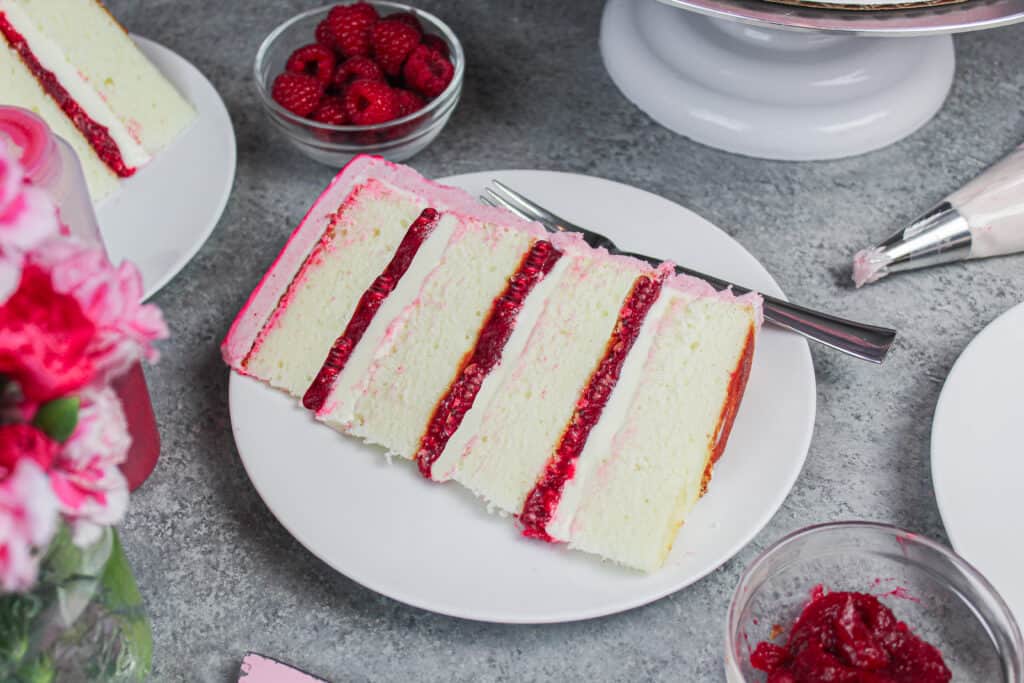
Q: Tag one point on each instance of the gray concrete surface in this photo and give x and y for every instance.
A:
(219, 574)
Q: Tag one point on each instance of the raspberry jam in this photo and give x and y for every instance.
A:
(494, 334)
(367, 308)
(542, 501)
(850, 638)
(97, 135)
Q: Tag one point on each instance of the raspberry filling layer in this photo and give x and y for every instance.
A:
(737, 384)
(366, 309)
(97, 135)
(850, 637)
(495, 333)
(542, 501)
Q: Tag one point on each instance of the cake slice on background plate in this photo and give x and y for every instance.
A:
(649, 459)
(70, 62)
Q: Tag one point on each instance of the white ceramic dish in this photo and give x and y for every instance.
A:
(164, 213)
(977, 463)
(435, 546)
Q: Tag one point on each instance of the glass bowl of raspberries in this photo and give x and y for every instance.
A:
(360, 78)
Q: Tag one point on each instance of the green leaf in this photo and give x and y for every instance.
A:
(58, 418)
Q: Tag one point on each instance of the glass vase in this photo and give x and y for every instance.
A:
(82, 622)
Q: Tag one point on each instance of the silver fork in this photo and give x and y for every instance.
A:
(868, 342)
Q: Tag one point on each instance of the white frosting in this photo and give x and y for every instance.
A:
(52, 58)
(993, 204)
(446, 464)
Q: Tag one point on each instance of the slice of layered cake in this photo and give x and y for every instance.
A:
(70, 62)
(586, 394)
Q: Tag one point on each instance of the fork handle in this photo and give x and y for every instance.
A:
(868, 342)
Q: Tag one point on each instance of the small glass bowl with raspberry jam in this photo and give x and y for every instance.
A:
(323, 129)
(860, 601)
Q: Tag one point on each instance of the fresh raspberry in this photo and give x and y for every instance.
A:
(407, 18)
(325, 35)
(370, 102)
(331, 110)
(406, 101)
(312, 60)
(298, 93)
(428, 72)
(436, 43)
(392, 42)
(355, 69)
(351, 26)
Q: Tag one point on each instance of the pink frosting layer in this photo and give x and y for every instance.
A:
(699, 288)
(570, 242)
(268, 294)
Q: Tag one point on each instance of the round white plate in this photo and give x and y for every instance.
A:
(978, 456)
(165, 212)
(435, 546)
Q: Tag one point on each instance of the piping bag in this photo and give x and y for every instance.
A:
(983, 218)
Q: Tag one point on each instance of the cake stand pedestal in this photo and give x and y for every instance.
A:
(783, 82)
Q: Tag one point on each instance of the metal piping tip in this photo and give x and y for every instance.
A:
(940, 236)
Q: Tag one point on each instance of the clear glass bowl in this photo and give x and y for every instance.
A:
(941, 597)
(335, 145)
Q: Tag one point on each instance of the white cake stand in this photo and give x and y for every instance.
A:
(785, 82)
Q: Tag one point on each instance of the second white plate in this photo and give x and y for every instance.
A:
(163, 214)
(977, 468)
(434, 546)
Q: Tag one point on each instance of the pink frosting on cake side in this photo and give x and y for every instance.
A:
(268, 295)
(696, 287)
(573, 241)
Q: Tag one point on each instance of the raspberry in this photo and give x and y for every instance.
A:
(407, 18)
(331, 110)
(312, 60)
(325, 36)
(354, 69)
(436, 43)
(406, 101)
(351, 26)
(298, 93)
(370, 102)
(392, 42)
(428, 72)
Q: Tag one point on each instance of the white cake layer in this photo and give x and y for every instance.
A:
(426, 346)
(529, 314)
(354, 250)
(21, 89)
(51, 57)
(339, 407)
(650, 474)
(614, 415)
(522, 426)
(89, 38)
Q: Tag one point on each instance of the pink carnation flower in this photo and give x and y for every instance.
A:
(27, 219)
(85, 475)
(110, 298)
(28, 521)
